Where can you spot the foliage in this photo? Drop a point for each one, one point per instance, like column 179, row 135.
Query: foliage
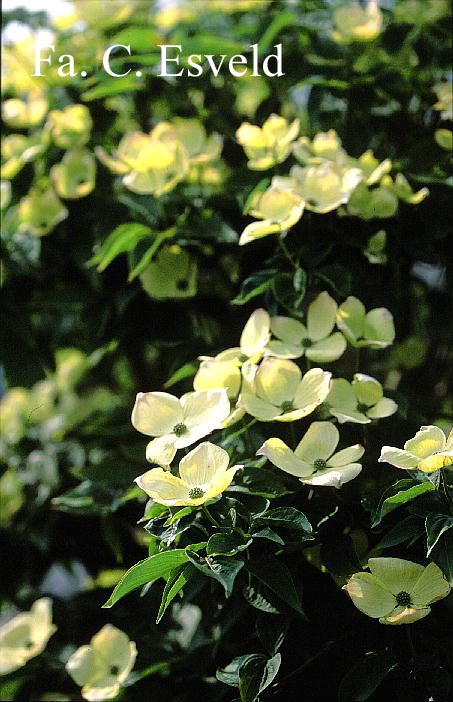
column 264, row 260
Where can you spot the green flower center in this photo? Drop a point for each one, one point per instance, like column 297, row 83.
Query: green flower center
column 114, row 670
column 362, row 408
column 180, row 429
column 28, row 644
column 195, row 493
column 306, row 343
column 403, row 599
column 287, row 406
column 319, row 464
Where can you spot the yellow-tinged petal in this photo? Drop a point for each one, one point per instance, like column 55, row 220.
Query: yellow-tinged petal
column 436, row 462
column 256, row 333
column 85, row 665
column 368, row 390
column 313, row 389
column 351, row 454
column 104, row 689
column 258, row 230
column 385, row 407
column 205, row 411
column 408, row 615
column 341, row 395
column 398, row 458
column 351, row 318
column 288, row 330
column 430, row 587
column 321, row 316
column 319, row 441
column 379, row 327
column 156, row 413
column 277, row 380
column 396, row 574
column 256, row 407
column 214, row 374
column 334, row 477
column 164, row 488
column 370, row 596
column 428, row 440
column 199, row 466
column 221, row 481
column 327, row 350
column 281, row 456
column 162, row 450
column 114, row 647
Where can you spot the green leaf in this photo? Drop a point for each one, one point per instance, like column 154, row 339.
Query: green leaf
column 229, row 675
column 436, row 525
column 186, row 371
column 268, row 534
column 256, row 674
column 399, row 494
column 222, row 569
column 408, row 530
column 277, row 577
column 147, row 571
column 113, row 86
column 122, row 240
column 272, row 632
column 226, row 544
column 261, row 597
column 442, row 554
column 286, row 293
column 254, row 285
column 365, row 677
column 178, row 578
column 287, row 518
column 142, row 255
column 261, row 481
column 337, row 277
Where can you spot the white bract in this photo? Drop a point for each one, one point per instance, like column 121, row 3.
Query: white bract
column 25, row 636
column 280, row 392
column 359, row 401
column 177, row 423
column 316, row 341
column 203, row 474
column 397, row 591
column 374, row 328
column 314, row 460
column 428, row 450
column 103, row 665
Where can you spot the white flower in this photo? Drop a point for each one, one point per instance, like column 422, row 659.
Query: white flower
column 359, row 401
column 428, row 450
column 25, row 636
column 177, row 423
column 315, row 340
column 204, row 474
column 314, row 461
column 102, row 666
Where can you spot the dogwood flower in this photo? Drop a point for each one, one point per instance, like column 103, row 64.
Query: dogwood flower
column 314, row 461
column 23, row 114
column 101, row 666
column 397, row 591
column 444, row 103
column 279, row 208
column 323, row 187
column 267, row 145
column 359, row 401
column 40, row 210
column 25, row 636
column 374, row 328
column 203, row 474
column 315, row 340
column 70, row 128
column 323, row 146
column 177, row 423
column 75, row 175
column 356, row 23
column 428, row 450
column 373, row 203
column 281, row 393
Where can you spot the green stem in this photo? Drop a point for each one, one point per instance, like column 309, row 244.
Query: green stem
column 286, row 252
column 239, row 432
column 410, row 642
column 208, row 514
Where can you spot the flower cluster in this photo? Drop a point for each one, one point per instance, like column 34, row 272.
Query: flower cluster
column 328, row 178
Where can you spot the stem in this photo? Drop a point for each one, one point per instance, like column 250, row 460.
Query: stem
column 239, row 432
column 410, row 642
column 208, row 514
column 444, row 491
column 286, row 252
column 293, row 435
column 357, row 360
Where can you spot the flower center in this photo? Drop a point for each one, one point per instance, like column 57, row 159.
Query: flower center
column 403, row 599
column 319, row 464
column 195, row 493
column 306, row 343
column 180, row 429
column 28, row 644
column 114, row 670
column 287, row 406
column 362, row 408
